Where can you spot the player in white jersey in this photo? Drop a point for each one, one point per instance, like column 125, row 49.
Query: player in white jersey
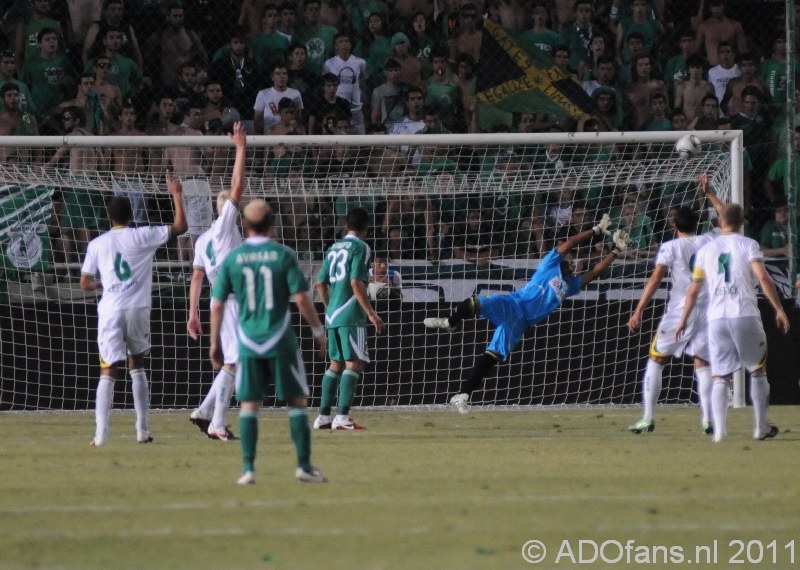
column 730, row 267
column 677, row 256
column 350, row 70
column 123, row 257
column 209, row 253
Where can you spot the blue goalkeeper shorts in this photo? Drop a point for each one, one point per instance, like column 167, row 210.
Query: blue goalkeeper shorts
column 510, row 324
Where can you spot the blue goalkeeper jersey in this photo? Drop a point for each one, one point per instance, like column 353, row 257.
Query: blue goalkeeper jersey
column 547, row 289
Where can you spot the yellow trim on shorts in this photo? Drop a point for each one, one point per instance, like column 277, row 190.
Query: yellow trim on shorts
column 653, row 351
column 763, row 362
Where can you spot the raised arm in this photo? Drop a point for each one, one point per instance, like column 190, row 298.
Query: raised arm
column 702, row 190
column 620, row 239
column 768, row 288
column 179, row 223
column 239, row 138
column 600, row 229
column 649, row 290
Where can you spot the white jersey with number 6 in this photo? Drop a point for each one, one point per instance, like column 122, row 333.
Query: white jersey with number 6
column 123, row 257
column 724, row 265
column 679, row 256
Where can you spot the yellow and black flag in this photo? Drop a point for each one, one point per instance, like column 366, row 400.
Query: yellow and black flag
column 513, row 75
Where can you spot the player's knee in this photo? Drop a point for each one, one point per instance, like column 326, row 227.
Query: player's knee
column 658, row 359
column 336, row 366
column 721, row 379
column 298, row 402
column 357, row 365
column 758, row 372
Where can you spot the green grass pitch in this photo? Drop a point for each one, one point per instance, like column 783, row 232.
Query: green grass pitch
column 426, row 490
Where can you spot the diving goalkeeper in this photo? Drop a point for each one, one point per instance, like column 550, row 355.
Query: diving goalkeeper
column 512, row 314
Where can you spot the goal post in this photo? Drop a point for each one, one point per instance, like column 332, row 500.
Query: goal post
column 456, row 215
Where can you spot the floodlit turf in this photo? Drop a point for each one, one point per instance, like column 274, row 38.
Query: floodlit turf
column 415, row 490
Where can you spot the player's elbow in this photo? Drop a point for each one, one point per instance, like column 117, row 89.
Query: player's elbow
column 87, row 283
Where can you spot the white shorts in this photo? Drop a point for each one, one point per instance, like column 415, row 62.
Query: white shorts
column 229, row 332
column 693, row 342
column 735, row 343
column 122, row 333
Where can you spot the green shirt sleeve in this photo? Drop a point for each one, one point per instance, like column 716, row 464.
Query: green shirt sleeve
column 294, row 276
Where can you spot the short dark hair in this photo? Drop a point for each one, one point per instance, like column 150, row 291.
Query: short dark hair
column 330, row 78
column 119, row 210
column 357, row 220
column 754, row 91
column 391, row 63
column 686, row 220
column 733, row 215
column 695, row 60
column 294, row 45
column 9, row 86
column 43, row 32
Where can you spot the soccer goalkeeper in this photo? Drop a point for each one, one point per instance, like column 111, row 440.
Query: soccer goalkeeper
column 553, row 281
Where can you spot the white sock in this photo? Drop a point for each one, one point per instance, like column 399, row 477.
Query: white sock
column 207, row 407
column 651, row 388
column 141, row 399
column 719, row 407
column 704, row 386
column 224, row 390
column 759, row 394
column 103, row 401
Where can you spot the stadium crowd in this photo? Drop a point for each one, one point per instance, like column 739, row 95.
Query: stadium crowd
column 150, row 67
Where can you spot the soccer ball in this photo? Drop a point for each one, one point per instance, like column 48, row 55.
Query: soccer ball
column 688, row 146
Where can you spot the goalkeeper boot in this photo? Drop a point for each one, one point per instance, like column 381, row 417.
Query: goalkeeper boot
column 99, row 439
column 344, row 423
column 642, row 426
column 323, row 422
column 247, row 478
column 769, row 433
column 461, row 403
column 312, row 476
column 708, row 429
column 200, row 421
column 439, row 323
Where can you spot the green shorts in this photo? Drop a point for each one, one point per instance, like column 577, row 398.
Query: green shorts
column 254, row 374
column 348, row 344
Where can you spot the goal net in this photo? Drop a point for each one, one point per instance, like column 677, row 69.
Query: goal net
column 452, row 216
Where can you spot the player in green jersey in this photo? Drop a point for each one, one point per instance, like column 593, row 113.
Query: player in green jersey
column 263, row 275
column 342, row 286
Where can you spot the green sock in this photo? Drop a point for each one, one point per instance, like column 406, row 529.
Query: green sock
column 347, row 390
column 301, row 436
column 330, row 384
column 248, row 432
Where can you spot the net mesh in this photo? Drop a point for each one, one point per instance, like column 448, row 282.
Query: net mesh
column 453, row 217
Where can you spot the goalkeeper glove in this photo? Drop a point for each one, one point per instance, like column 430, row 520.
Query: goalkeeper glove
column 621, row 239
column 602, row 227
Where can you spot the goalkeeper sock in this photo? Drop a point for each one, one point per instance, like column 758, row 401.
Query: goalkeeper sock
column 347, row 390
column 330, row 385
column 719, row 407
column 103, row 401
column 301, row 436
column 704, row 386
column 224, row 391
column 248, row 432
column 651, row 388
column 483, row 365
column 759, row 394
column 466, row 309
column 141, row 399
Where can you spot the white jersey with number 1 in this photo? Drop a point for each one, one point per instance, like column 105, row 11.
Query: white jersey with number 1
column 725, row 265
column 123, row 257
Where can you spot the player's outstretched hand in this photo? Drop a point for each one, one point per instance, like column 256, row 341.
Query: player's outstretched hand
column 621, row 239
column 602, row 226
column 173, row 184
column 239, row 135
column 702, row 184
column 377, row 322
column 195, row 328
column 215, row 355
column 783, row 321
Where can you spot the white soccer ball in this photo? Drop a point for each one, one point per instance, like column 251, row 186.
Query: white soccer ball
column 688, row 146
column 375, row 291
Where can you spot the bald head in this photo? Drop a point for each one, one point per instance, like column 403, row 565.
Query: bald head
column 258, row 217
column 732, row 217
